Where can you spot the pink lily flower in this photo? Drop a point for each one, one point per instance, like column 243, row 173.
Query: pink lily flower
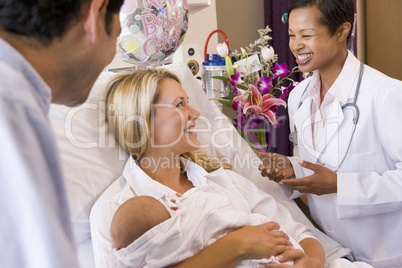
column 241, row 97
column 262, row 104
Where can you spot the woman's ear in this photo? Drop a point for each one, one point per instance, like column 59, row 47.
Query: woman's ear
column 343, row 31
column 94, row 18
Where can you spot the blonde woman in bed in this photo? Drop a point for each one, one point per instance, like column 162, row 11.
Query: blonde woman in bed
column 149, row 113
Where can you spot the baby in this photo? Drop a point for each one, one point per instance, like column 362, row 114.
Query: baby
column 134, row 218
column 202, row 217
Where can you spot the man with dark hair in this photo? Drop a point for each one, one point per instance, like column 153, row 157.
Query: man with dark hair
column 50, row 51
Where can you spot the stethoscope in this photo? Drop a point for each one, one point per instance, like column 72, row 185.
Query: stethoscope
column 353, row 105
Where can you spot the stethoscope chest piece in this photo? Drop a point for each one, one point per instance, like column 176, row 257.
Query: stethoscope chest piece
column 293, row 137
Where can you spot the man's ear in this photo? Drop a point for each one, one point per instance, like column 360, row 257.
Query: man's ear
column 94, row 18
column 343, row 31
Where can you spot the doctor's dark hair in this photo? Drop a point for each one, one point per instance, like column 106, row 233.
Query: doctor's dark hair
column 334, row 12
column 45, row 20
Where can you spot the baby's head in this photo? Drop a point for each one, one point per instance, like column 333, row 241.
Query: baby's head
column 134, row 218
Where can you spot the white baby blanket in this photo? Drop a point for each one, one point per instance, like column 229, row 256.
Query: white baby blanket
column 203, row 216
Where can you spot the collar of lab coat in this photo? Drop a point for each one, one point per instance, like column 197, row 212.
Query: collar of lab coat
column 343, row 85
column 343, row 89
column 142, row 184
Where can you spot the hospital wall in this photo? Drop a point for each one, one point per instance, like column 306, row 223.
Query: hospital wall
column 381, row 35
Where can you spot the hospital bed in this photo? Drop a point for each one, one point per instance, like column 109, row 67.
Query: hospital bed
column 92, row 159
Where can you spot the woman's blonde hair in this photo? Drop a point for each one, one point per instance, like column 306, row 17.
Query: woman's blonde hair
column 129, row 101
column 129, row 105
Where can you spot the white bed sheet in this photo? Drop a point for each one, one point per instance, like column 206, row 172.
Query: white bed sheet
column 92, row 160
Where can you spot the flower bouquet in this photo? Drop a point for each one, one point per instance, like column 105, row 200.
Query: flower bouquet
column 256, row 80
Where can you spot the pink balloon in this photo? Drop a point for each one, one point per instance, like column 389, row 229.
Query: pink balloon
column 129, row 6
column 160, row 27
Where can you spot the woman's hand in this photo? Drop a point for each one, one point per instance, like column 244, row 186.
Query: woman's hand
column 261, row 241
column 312, row 257
column 276, row 167
column 301, row 260
column 248, row 242
column 323, row 181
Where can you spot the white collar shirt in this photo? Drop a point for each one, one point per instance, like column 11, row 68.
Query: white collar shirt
column 142, row 184
column 339, row 91
column 33, row 203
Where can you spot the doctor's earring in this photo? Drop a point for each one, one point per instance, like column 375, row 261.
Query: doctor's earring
column 284, row 18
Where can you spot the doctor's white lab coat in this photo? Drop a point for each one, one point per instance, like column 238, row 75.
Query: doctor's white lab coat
column 366, row 213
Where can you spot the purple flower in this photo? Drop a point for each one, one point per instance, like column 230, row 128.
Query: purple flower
column 255, row 121
column 240, row 121
column 286, row 91
column 264, row 85
column 235, row 79
column 274, row 109
column 280, row 70
column 235, row 105
column 237, row 124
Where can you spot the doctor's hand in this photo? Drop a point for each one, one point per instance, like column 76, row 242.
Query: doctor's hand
column 276, row 167
column 323, row 181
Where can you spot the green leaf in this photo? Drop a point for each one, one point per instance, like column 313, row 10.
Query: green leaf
column 221, row 78
column 224, row 102
column 244, row 87
column 227, row 98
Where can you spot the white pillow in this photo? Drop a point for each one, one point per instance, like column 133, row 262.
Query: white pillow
column 92, row 159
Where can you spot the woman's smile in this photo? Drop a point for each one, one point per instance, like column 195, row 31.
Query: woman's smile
column 190, row 131
column 303, row 58
column 175, row 121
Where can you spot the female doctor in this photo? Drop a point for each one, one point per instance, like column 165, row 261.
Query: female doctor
column 345, row 123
